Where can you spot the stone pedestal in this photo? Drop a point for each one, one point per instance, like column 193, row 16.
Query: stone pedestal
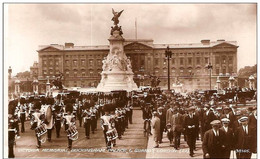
column 251, row 82
column 218, row 83
column 117, row 71
column 48, row 87
column 35, row 86
column 231, row 81
column 17, row 89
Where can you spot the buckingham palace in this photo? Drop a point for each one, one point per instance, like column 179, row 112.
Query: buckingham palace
column 81, row 65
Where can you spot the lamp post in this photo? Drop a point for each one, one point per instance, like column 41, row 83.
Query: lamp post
column 210, row 67
column 168, row 55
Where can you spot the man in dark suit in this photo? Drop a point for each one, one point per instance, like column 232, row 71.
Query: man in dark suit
column 191, row 124
column 177, row 127
column 245, row 138
column 213, row 141
column 229, row 137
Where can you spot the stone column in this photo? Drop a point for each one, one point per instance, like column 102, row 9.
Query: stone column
column 17, row 87
column 35, row 86
column 231, row 81
column 251, row 82
column 48, row 86
column 218, row 83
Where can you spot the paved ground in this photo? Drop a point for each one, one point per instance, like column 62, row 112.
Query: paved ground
column 133, row 140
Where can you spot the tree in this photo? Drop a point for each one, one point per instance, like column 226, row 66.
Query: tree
column 247, row 71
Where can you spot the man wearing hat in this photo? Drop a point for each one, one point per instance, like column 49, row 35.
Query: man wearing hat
column 169, row 114
column 213, row 141
column 177, row 127
column 155, row 124
column 245, row 138
column 162, row 116
column 229, row 137
column 191, row 124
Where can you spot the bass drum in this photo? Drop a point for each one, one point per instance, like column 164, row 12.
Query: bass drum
column 47, row 112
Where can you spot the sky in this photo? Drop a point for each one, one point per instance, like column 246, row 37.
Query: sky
column 26, row 26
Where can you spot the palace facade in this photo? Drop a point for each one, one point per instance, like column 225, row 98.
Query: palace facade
column 81, row 65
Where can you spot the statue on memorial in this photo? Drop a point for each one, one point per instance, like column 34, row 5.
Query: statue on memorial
column 116, row 16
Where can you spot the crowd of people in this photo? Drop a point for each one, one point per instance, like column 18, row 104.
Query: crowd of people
column 221, row 126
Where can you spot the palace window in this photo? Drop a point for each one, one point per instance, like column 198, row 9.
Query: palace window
column 99, row 63
column 90, row 62
column 230, row 60
column 198, row 60
column 83, row 74
column 51, row 62
column 75, row 73
column 57, row 63
column 181, row 61
column 67, row 62
column 83, row 63
column 189, row 60
column 223, row 59
column 224, row 71
column 67, row 73
column 173, row 61
column 217, row 60
column 44, row 62
column 217, row 71
column 156, row 61
column 206, row 60
column 75, row 63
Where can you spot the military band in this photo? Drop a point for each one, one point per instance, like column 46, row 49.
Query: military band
column 222, row 126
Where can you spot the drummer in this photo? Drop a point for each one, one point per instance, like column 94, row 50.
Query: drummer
column 69, row 121
column 37, row 120
column 106, row 124
column 49, row 118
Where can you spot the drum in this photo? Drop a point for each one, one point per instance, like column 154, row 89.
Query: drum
column 47, row 112
column 111, row 134
column 72, row 132
column 40, row 130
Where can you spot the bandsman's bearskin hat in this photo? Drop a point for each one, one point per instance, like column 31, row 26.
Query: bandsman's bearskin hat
column 86, row 105
column 22, row 100
column 69, row 107
column 73, row 100
column 106, row 108
column 80, row 98
column 37, row 105
column 43, row 100
column 57, row 107
column 112, row 107
column 67, row 101
column 11, row 107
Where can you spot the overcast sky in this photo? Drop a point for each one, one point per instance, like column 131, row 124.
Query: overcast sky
column 27, row 26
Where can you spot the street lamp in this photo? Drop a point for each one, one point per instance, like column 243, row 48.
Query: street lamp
column 168, row 55
column 210, row 67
